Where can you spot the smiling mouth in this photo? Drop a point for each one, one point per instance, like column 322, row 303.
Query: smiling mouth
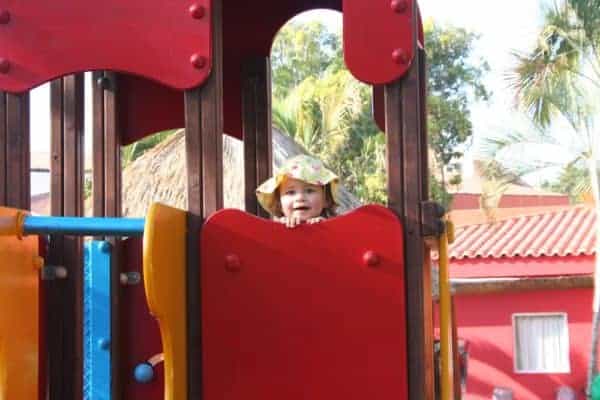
column 301, row 208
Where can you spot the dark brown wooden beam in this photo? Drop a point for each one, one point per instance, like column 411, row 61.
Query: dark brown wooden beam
column 407, row 189
column 112, row 147
column 64, row 308
column 98, row 145
column 15, row 151
column 106, row 193
column 256, row 127
column 204, row 160
column 508, row 285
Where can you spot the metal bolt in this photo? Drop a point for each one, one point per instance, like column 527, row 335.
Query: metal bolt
column 399, row 56
column 370, row 258
column 4, row 66
column 103, row 82
column 4, row 17
column 130, row 278
column 51, row 272
column 105, row 247
column 399, row 6
column 197, row 11
column 232, row 263
column 103, row 343
column 197, row 61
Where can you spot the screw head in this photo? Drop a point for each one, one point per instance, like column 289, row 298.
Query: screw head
column 232, row 263
column 103, row 82
column 103, row 343
column 4, row 17
column 105, row 247
column 399, row 56
column 370, row 258
column 4, row 66
column 399, row 6
column 197, row 11
column 197, row 61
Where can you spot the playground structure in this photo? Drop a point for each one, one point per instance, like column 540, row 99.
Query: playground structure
column 239, row 315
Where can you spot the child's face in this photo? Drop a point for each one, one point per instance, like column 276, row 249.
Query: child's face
column 301, row 199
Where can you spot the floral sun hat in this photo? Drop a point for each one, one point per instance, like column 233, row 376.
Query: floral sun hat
column 301, row 167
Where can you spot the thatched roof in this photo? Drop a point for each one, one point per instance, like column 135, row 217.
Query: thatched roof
column 159, row 175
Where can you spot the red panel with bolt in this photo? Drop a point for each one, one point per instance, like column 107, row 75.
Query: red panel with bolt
column 314, row 312
column 165, row 41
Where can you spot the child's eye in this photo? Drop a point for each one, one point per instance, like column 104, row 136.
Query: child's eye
column 310, row 190
column 290, row 192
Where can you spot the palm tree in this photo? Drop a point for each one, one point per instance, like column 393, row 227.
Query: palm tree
column 331, row 118
column 559, row 82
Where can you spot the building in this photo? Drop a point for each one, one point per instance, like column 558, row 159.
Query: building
column 523, row 295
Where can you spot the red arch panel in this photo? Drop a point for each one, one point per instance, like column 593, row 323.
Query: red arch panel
column 298, row 313
column 41, row 40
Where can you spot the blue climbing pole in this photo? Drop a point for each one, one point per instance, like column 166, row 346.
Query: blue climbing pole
column 96, row 326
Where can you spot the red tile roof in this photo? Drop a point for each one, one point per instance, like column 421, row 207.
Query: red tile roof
column 560, row 233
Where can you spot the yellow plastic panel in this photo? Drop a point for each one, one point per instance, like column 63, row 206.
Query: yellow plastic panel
column 19, row 329
column 165, row 284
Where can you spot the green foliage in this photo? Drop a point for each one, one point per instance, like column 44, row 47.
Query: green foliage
column 331, row 118
column 134, row 150
column 558, row 81
column 573, row 180
column 301, row 51
column 439, row 193
column 454, row 81
column 325, row 109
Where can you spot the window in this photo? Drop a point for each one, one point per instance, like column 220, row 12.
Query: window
column 541, row 343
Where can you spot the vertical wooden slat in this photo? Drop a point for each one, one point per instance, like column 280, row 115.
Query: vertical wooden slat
column 57, row 358
column 98, row 184
column 112, row 207
column 107, row 196
column 17, row 151
column 64, row 297
column 3, row 182
column 193, row 145
column 73, row 101
column 429, row 376
column 112, row 148
column 56, row 148
column 204, row 160
column 406, row 192
column 256, row 127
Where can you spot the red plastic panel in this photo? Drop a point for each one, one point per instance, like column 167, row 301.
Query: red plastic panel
column 299, row 313
column 147, row 107
column 166, row 41
column 378, row 39
column 140, row 335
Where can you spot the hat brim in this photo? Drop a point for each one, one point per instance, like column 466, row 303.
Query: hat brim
column 267, row 194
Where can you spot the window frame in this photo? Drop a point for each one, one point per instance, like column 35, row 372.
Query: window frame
column 564, row 315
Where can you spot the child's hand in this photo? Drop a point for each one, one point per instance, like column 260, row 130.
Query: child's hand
column 290, row 222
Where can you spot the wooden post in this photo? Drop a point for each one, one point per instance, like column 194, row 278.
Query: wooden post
column 508, row 285
column 256, row 127
column 204, row 160
column 407, row 189
column 15, row 151
column 106, row 193
column 64, row 308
